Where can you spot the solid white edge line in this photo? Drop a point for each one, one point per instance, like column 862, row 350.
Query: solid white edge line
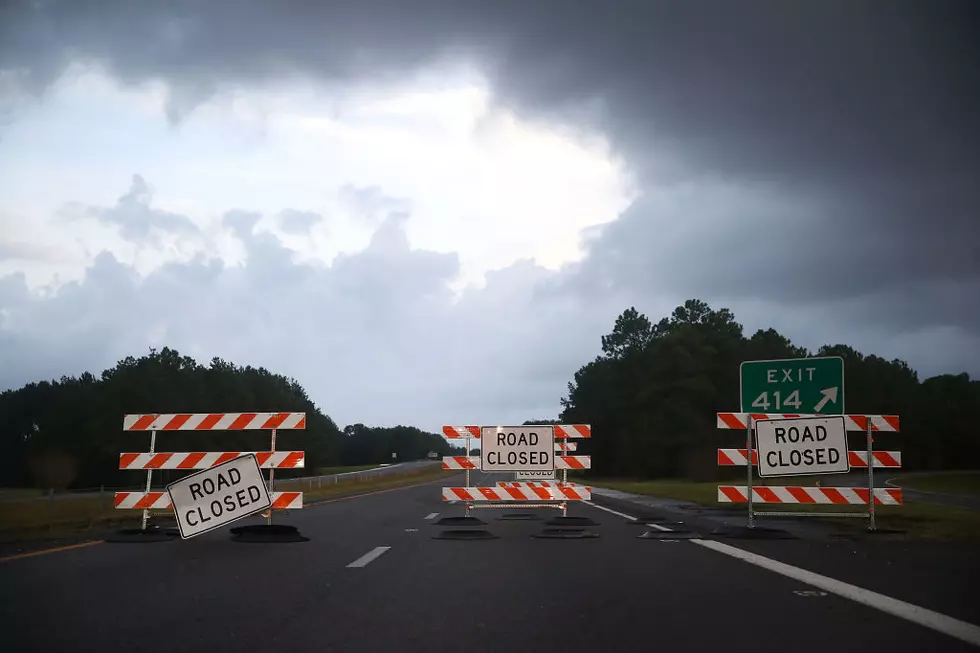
column 924, row 617
column 937, row 621
column 370, row 556
column 432, row 515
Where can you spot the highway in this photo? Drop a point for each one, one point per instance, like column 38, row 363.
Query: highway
column 372, row 578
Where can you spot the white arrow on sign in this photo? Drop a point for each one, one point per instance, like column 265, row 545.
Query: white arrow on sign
column 829, row 394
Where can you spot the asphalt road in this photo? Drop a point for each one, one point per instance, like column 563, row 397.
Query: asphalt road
column 617, row 592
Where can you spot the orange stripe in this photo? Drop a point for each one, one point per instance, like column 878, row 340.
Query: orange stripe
column 301, row 424
column 584, row 430
column 242, row 421
column 836, row 497
column 176, row 422
column 275, row 421
column 449, row 432
column 208, row 422
column 854, row 458
column 158, row 460
column 121, row 497
column 731, row 421
column 191, row 460
column 767, row 495
column 733, row 495
column 294, row 459
column 262, row 456
column 886, row 459
column 284, row 500
column 896, row 493
column 31, row 554
column 143, row 423
column 148, row 500
column 801, row 495
column 724, row 460
column 755, row 456
column 572, row 462
column 126, row 459
column 892, row 420
column 474, row 431
column 860, row 421
column 461, row 493
column 225, row 457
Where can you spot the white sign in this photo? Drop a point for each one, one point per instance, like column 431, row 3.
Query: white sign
column 517, row 449
column 531, row 476
column 801, row 446
column 214, row 497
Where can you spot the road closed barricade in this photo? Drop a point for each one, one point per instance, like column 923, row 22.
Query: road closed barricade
column 528, row 451
column 790, row 444
column 156, row 423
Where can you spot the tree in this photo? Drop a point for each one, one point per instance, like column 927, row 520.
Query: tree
column 652, row 395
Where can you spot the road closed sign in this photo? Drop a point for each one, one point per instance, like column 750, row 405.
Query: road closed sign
column 217, row 496
column 801, row 446
column 517, row 449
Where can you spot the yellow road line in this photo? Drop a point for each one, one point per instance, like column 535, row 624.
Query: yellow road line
column 69, row 547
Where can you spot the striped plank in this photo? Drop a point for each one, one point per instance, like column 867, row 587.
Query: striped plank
column 889, row 459
column 213, row 421
column 808, row 495
column 206, row 459
column 161, row 500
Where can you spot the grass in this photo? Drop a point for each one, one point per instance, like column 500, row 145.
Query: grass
column 19, row 492
column 959, row 483
column 325, row 471
column 921, row 521
column 31, row 518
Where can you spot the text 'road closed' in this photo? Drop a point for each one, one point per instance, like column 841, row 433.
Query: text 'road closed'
column 813, row 445
column 218, row 496
column 517, row 448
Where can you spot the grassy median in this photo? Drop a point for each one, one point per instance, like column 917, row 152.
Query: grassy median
column 43, row 517
column 919, row 520
column 959, row 483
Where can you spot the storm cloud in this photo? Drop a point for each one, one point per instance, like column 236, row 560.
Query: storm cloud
column 814, row 163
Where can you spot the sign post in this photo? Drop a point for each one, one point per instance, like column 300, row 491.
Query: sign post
column 219, row 495
column 806, row 386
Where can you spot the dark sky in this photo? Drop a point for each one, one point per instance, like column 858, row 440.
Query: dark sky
column 815, row 162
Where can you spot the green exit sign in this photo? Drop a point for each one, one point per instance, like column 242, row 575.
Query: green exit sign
column 793, row 385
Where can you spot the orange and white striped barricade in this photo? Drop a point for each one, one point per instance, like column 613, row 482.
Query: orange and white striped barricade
column 489, row 497
column 868, row 495
column 157, row 422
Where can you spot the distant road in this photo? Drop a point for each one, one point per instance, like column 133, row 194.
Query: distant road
column 940, row 498
column 373, row 579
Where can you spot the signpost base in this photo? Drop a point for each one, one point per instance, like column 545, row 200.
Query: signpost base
column 752, row 533
column 152, row 533
column 571, row 521
column 460, row 521
column 267, row 533
column 565, row 534
column 465, row 534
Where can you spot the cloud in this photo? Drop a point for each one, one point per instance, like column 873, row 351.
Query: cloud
column 812, row 167
column 138, row 222
column 298, row 222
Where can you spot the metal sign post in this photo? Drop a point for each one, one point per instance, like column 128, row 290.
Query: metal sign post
column 871, row 476
column 149, row 478
column 272, row 476
column 748, row 484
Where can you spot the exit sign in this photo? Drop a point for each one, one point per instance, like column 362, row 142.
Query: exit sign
column 793, row 385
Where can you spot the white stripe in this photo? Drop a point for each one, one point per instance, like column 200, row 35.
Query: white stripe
column 431, row 515
column 962, row 630
column 947, row 625
column 194, row 421
column 291, row 421
column 851, row 495
column 368, row 557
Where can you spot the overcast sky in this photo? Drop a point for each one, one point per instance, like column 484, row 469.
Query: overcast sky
column 429, row 212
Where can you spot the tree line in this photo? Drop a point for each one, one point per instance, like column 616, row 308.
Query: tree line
column 68, row 433
column 652, row 394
